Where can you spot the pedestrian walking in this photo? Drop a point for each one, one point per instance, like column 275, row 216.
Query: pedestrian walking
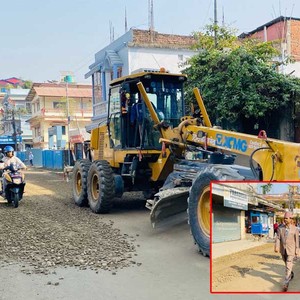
column 275, row 226
column 287, row 243
column 30, row 156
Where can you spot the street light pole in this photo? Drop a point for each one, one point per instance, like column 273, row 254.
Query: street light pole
column 68, row 124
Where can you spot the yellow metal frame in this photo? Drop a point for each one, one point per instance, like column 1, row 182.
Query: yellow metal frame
column 279, row 160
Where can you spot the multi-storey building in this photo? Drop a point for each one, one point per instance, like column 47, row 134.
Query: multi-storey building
column 60, row 113
column 12, row 82
column 15, row 111
column 135, row 50
column 286, row 31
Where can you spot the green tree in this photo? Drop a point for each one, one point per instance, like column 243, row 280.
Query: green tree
column 238, row 83
column 266, row 188
column 27, row 84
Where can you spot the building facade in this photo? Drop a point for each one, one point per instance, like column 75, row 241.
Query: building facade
column 15, row 111
column 59, row 114
column 286, row 31
column 135, row 50
column 8, row 83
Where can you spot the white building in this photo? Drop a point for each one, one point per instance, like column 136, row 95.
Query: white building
column 14, row 114
column 136, row 49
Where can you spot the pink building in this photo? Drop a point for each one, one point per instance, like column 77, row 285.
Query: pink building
column 282, row 29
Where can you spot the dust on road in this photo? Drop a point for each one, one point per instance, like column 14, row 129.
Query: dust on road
column 49, row 230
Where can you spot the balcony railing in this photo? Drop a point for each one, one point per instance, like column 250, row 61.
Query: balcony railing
column 38, row 139
column 57, row 113
column 100, row 108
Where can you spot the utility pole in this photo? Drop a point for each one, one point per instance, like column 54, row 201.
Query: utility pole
column 292, row 192
column 215, row 23
column 13, row 121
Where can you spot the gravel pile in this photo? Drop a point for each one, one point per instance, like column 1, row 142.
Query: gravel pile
column 48, row 230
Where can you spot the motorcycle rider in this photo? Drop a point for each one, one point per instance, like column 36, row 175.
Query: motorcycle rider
column 8, row 159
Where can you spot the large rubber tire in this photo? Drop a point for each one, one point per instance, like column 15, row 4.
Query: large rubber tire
column 101, row 187
column 79, row 182
column 199, row 202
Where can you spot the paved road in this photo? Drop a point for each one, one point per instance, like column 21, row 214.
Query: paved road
column 168, row 265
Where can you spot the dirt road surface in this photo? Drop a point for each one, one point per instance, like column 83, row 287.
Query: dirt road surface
column 257, row 269
column 52, row 249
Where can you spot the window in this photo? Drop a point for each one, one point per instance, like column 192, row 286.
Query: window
column 119, row 72
column 114, row 100
column 97, row 87
column 58, row 104
column 28, row 107
column 255, row 219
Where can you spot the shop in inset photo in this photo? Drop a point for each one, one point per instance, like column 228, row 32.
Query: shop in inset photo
column 248, row 222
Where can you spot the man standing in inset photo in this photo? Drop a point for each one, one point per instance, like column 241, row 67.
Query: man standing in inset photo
column 287, row 242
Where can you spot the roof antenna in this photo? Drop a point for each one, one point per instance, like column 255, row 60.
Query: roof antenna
column 111, row 32
column 223, row 17
column 279, row 6
column 151, row 18
column 126, row 27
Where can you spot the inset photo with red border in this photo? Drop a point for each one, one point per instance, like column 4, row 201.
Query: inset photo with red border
column 254, row 237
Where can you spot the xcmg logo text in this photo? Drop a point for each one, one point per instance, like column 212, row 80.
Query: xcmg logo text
column 230, row 142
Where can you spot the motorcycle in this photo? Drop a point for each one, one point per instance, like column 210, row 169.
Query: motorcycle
column 14, row 182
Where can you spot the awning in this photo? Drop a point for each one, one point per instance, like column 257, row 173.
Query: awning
column 93, row 70
column 113, row 59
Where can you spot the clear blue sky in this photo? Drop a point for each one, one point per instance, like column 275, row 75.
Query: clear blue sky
column 39, row 39
column 277, row 187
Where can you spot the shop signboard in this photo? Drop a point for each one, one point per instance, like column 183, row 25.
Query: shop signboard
column 8, row 139
column 234, row 198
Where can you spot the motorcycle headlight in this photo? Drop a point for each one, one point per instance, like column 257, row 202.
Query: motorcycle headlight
column 17, row 180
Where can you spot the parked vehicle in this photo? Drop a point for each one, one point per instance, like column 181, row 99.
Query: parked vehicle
column 13, row 181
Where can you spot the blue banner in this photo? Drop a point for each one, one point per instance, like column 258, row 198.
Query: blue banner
column 8, row 139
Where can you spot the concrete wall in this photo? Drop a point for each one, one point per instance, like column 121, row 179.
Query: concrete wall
column 155, row 58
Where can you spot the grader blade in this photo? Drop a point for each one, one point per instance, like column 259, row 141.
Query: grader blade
column 169, row 206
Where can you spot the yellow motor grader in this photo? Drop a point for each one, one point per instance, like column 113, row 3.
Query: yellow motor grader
column 148, row 144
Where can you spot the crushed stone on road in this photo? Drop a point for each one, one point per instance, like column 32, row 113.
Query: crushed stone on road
column 49, row 230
